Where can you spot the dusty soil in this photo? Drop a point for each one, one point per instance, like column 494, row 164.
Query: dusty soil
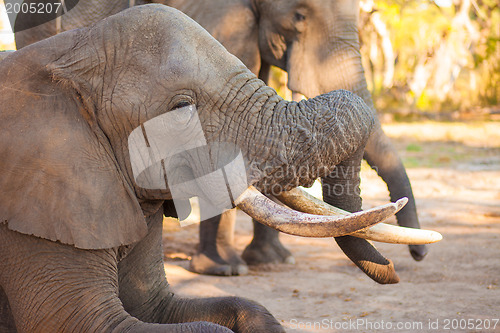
column 456, row 180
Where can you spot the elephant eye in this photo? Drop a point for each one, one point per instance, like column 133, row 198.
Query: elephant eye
column 299, row 17
column 181, row 105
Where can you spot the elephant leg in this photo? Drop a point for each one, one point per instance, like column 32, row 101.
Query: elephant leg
column 383, row 157
column 207, row 260
column 144, row 292
column 53, row 287
column 266, row 247
column 341, row 189
column 216, row 254
column 7, row 324
column 225, row 243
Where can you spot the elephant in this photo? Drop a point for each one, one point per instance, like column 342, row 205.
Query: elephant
column 317, row 43
column 82, row 116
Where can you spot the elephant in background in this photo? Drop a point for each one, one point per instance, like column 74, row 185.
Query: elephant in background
column 80, row 239
column 316, row 42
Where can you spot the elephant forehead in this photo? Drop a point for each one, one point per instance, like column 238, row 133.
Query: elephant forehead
column 157, row 42
column 148, row 23
column 199, row 49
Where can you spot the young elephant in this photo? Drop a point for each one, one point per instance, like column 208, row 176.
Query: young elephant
column 80, row 239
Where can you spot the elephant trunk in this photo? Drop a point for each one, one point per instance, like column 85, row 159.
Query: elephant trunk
column 311, row 139
column 380, row 154
column 305, row 140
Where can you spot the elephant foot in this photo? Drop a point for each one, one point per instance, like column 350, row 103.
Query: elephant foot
column 203, row 264
column 226, row 264
column 273, row 252
column 418, row 252
column 229, row 255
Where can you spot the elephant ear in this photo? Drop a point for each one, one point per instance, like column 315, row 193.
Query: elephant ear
column 59, row 179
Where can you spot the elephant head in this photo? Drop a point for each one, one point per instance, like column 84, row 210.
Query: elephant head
column 315, row 41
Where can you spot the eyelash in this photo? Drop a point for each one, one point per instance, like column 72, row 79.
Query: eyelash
column 181, row 105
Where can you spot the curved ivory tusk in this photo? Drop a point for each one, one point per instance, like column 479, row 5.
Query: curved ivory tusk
column 290, row 221
column 301, row 200
column 388, row 233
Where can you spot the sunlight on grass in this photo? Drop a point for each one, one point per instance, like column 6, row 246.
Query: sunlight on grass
column 476, row 134
column 413, row 147
column 446, row 144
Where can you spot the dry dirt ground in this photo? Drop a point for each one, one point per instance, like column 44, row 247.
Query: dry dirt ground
column 455, row 173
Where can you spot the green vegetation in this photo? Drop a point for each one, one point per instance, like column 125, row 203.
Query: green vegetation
column 413, row 147
column 446, row 144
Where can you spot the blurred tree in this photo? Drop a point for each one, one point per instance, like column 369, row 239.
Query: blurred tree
column 375, row 29
column 431, row 55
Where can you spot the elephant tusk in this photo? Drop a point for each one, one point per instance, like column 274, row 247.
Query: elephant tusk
column 301, row 200
column 388, row 233
column 293, row 222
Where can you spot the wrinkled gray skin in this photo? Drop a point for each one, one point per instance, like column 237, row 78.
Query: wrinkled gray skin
column 316, row 42
column 80, row 242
